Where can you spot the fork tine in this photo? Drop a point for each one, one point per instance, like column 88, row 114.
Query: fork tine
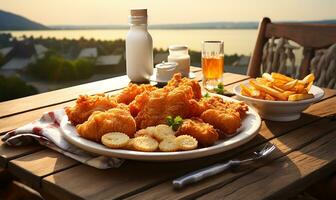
column 269, row 150
column 264, row 148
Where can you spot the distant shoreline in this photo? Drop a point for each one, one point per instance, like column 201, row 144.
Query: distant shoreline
column 192, row 26
column 65, row 29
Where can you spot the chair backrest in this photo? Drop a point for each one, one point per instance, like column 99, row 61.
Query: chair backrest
column 311, row 37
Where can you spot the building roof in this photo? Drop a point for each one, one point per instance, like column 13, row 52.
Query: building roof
column 40, row 50
column 18, row 63
column 5, row 51
column 108, row 60
column 88, row 53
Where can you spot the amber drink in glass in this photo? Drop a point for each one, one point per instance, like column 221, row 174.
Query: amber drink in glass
column 212, row 63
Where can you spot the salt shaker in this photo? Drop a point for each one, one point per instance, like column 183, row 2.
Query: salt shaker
column 179, row 54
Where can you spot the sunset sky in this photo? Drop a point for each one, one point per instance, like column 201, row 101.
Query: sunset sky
column 101, row 12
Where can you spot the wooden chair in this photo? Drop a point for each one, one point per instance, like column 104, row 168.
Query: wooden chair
column 312, row 37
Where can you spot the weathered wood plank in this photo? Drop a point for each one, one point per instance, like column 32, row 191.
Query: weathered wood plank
column 33, row 167
column 20, row 105
column 285, row 176
column 7, row 153
column 268, row 131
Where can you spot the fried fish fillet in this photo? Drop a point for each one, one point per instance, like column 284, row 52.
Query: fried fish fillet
column 178, row 81
column 218, row 103
column 138, row 103
column 86, row 105
column 100, row 123
column 223, row 115
column 204, row 133
column 162, row 103
column 227, row 122
column 128, row 94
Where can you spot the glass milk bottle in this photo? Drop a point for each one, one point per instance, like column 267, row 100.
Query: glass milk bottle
column 179, row 54
column 139, row 47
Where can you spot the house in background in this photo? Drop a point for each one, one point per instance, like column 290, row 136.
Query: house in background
column 18, row 57
column 88, row 53
column 110, row 64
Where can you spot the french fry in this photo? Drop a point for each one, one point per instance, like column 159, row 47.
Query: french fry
column 279, row 89
column 245, row 90
column 308, row 79
column 281, row 77
column 289, row 93
column 279, row 83
column 269, row 90
column 297, row 97
column 298, row 88
column 289, row 85
column 269, row 97
column 309, row 86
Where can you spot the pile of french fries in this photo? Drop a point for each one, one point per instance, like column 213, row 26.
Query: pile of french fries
column 278, row 87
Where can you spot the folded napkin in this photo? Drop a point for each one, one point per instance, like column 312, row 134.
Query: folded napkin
column 47, row 132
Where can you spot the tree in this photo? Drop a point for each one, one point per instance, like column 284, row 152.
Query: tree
column 13, row 87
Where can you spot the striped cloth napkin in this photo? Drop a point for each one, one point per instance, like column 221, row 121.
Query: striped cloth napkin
column 47, row 132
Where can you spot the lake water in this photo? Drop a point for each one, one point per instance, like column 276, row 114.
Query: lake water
column 235, row 41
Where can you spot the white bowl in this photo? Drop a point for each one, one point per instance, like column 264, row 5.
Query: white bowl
column 280, row 110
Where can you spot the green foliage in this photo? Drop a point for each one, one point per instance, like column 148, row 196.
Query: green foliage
column 175, row 123
column 2, row 60
column 56, row 68
column 13, row 87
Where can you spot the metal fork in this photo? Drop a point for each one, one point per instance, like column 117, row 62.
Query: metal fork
column 203, row 173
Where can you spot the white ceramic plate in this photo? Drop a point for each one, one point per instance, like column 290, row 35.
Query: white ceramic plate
column 280, row 110
column 249, row 129
column 192, row 75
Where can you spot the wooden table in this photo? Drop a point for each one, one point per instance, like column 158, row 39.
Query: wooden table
column 305, row 154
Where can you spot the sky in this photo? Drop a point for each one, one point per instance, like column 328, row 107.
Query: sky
column 105, row 12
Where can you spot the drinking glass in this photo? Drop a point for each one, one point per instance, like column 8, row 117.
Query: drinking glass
column 212, row 63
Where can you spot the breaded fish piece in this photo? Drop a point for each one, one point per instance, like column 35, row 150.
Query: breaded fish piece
column 204, row 133
column 178, row 81
column 227, row 121
column 87, row 104
column 128, row 94
column 100, row 123
column 215, row 102
column 162, row 103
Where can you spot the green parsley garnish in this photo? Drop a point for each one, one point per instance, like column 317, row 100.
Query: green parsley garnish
column 175, row 123
column 206, row 95
column 220, row 89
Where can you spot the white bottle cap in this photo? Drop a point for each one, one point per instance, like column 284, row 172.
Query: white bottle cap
column 138, row 16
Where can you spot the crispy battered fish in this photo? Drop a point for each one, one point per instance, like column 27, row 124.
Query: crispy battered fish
column 128, row 94
column 178, row 81
column 86, row 105
column 100, row 123
column 218, row 103
column 162, row 103
column 227, row 122
column 204, row 133
column 223, row 115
